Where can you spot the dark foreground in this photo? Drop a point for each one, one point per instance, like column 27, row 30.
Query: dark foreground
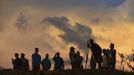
column 67, row 72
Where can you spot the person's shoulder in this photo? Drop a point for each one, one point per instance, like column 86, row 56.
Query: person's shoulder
column 15, row 60
column 81, row 57
column 115, row 50
column 97, row 44
column 33, row 54
column 39, row 55
column 26, row 59
column 43, row 59
column 61, row 58
column 54, row 58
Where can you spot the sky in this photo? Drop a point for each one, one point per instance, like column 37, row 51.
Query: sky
column 56, row 25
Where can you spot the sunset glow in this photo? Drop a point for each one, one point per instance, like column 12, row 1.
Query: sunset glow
column 55, row 25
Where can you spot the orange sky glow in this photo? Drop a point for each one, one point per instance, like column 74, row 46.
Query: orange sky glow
column 21, row 27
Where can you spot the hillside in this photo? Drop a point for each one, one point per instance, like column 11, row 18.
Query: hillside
column 66, row 72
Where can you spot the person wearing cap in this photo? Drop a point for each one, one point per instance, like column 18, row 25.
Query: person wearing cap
column 36, row 60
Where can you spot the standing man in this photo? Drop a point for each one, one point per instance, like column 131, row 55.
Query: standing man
column 79, row 60
column 25, row 62
column 96, row 54
column 46, row 63
column 72, row 56
column 36, row 60
column 59, row 63
column 112, row 56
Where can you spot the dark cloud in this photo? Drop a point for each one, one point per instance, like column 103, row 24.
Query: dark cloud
column 67, row 4
column 111, row 3
column 77, row 34
column 21, row 22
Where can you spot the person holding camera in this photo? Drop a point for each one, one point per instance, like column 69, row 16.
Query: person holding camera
column 96, row 54
column 58, row 62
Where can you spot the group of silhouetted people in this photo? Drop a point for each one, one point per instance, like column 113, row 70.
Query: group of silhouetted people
column 107, row 60
column 109, row 57
column 21, row 63
column 75, row 59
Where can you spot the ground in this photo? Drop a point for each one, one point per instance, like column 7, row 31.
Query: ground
column 67, row 72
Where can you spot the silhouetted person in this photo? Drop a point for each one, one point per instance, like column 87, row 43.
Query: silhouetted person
column 16, row 62
column 59, row 63
column 46, row 63
column 79, row 60
column 25, row 62
column 36, row 60
column 72, row 56
column 105, row 59
column 96, row 53
column 92, row 62
column 112, row 56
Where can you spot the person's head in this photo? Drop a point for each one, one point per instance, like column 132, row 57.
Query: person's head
column 72, row 49
column 36, row 50
column 16, row 55
column 47, row 55
column 58, row 54
column 78, row 53
column 111, row 46
column 104, row 51
column 91, row 41
column 22, row 55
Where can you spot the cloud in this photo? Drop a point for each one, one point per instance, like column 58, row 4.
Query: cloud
column 21, row 22
column 112, row 15
column 90, row 3
column 96, row 21
column 113, row 3
column 67, row 4
column 76, row 34
column 127, row 11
